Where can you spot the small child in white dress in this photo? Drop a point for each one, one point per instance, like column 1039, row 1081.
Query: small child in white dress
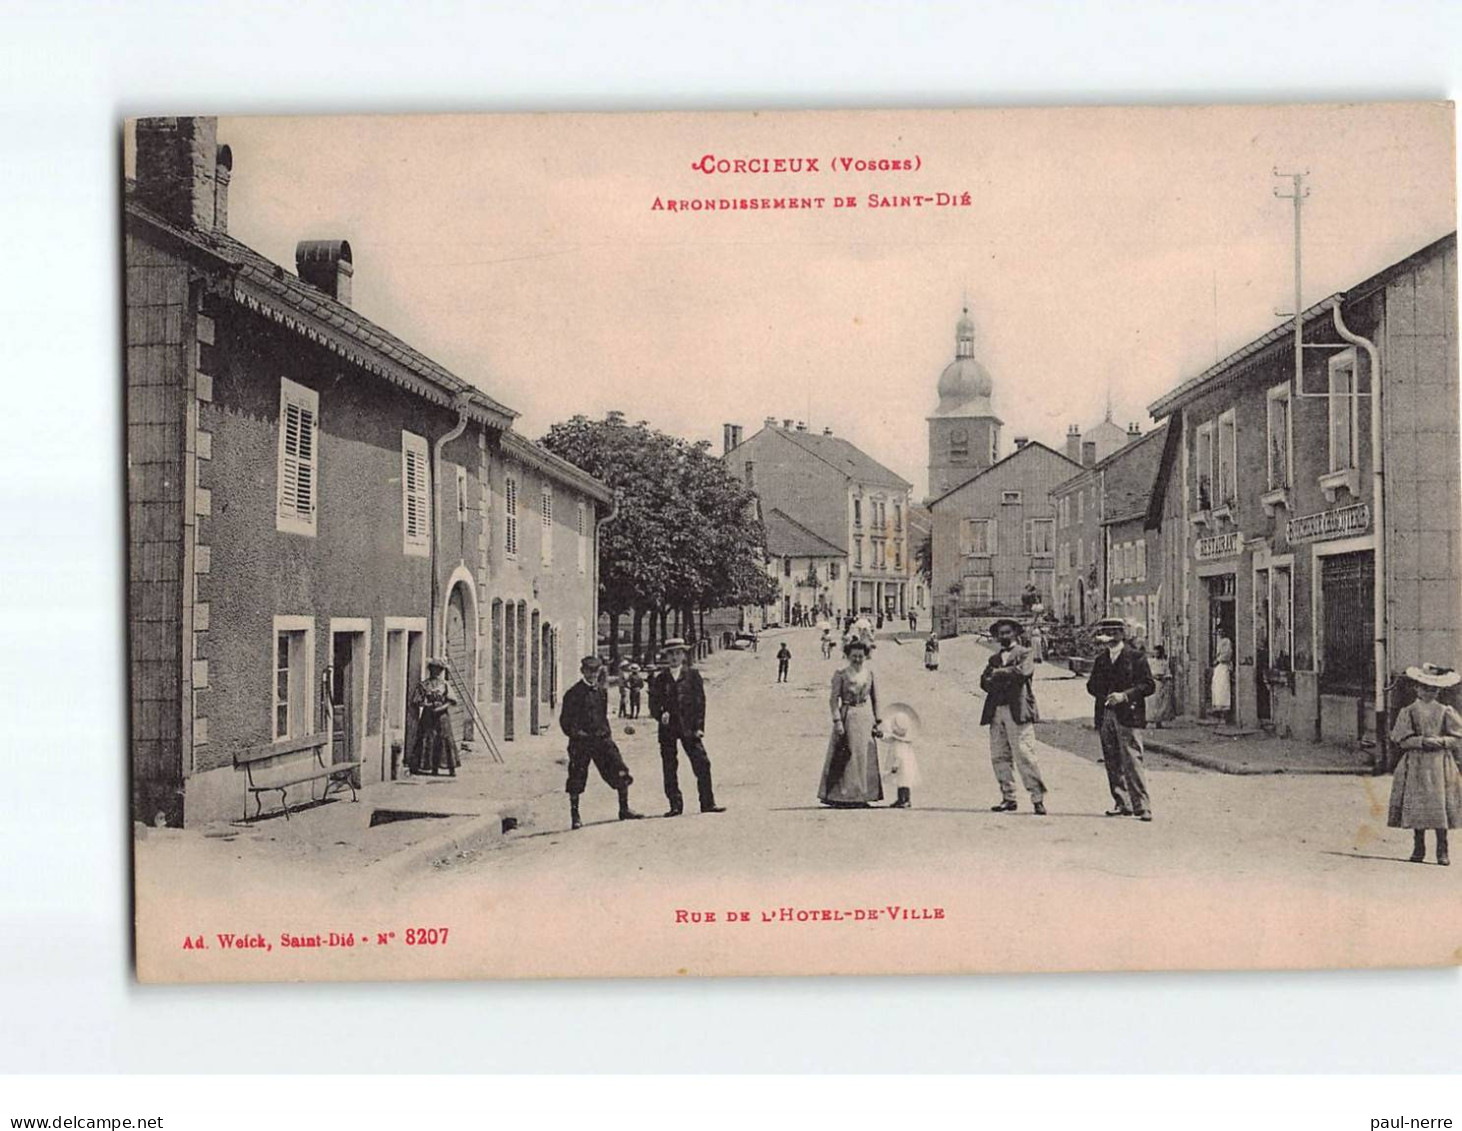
column 901, row 765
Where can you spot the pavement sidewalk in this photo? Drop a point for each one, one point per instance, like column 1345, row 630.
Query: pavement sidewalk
column 1233, row 751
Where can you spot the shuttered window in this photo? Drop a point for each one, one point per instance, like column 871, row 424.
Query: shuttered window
column 510, row 523
column 582, row 529
column 545, row 507
column 299, row 460
column 415, row 496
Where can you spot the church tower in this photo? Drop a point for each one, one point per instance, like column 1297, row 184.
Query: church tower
column 964, row 432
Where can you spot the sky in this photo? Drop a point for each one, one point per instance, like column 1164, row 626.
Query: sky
column 1104, row 252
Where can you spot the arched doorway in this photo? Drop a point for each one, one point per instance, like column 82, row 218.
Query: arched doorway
column 460, row 650
column 510, row 667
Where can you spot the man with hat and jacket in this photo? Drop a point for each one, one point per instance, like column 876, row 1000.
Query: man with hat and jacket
column 678, row 700
column 1120, row 683
column 1010, row 713
column 584, row 717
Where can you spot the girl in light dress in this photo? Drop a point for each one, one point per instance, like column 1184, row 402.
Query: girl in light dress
column 1426, row 791
column 897, row 750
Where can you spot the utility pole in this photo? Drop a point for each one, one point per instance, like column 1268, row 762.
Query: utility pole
column 1298, row 193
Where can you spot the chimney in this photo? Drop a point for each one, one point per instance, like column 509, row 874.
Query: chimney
column 1133, row 432
column 326, row 265
column 1021, row 441
column 223, row 171
column 787, row 424
column 769, row 422
column 802, row 426
column 1073, row 444
column 827, row 431
column 1088, row 453
column 177, row 161
column 730, row 437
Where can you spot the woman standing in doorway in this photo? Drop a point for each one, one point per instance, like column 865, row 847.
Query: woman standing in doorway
column 1426, row 791
column 433, row 747
column 1221, row 698
column 850, row 776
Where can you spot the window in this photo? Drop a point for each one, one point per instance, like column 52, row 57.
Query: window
column 979, row 537
column 415, row 496
column 898, row 517
column 750, row 476
column 299, row 461
column 1010, row 496
column 1142, row 560
column 496, row 654
column 959, row 446
column 1281, row 605
column 510, row 522
column 994, row 444
column 1080, row 545
column 545, row 508
column 1040, row 534
column 857, row 553
column 857, row 512
column 834, row 570
column 461, row 496
column 980, row 590
column 1065, row 511
column 1203, row 456
column 1280, row 468
column 898, row 555
column 786, row 567
column 1080, row 507
column 581, row 528
column 1228, row 492
column 1343, row 415
column 294, row 646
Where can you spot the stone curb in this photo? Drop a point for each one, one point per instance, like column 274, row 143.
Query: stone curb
column 1222, row 766
column 466, row 837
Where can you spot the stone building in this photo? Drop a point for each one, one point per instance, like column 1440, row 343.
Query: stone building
column 810, row 571
column 964, row 432
column 1288, row 548
column 995, row 533
column 842, row 495
column 1114, row 481
column 314, row 507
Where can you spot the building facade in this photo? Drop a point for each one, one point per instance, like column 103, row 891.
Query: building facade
column 1114, row 483
column 1290, row 552
column 314, row 507
column 995, row 534
column 844, row 497
column 810, row 572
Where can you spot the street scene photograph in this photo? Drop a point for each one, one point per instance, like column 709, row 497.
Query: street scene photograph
column 799, row 543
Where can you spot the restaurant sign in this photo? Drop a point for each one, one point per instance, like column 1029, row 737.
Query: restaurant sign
column 1329, row 524
column 1218, row 546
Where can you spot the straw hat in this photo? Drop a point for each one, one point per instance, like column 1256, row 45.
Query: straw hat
column 1011, row 621
column 902, row 722
column 1434, row 675
column 674, row 644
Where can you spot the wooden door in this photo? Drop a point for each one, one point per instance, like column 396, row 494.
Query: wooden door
column 459, row 656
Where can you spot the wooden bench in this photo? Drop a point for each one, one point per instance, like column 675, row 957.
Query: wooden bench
column 282, row 778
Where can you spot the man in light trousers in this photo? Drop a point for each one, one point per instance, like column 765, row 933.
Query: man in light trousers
column 1010, row 713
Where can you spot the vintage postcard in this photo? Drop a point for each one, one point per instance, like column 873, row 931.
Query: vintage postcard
column 582, row 545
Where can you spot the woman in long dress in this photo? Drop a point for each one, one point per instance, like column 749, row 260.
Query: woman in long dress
column 931, row 652
column 1426, row 791
column 433, row 747
column 850, row 777
column 1221, row 691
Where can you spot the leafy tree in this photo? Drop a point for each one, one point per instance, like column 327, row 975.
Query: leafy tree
column 686, row 537
column 924, row 557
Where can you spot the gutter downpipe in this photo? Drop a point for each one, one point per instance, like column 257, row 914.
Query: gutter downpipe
column 433, row 632
column 1378, row 519
column 599, row 525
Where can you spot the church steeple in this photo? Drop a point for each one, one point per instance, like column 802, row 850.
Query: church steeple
column 964, row 335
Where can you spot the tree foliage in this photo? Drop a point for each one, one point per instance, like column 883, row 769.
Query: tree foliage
column 687, row 535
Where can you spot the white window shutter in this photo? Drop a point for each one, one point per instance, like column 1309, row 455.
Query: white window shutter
column 299, row 465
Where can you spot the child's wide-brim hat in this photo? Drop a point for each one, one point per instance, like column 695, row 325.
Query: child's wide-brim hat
column 1011, row 621
column 1434, row 675
column 901, row 714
